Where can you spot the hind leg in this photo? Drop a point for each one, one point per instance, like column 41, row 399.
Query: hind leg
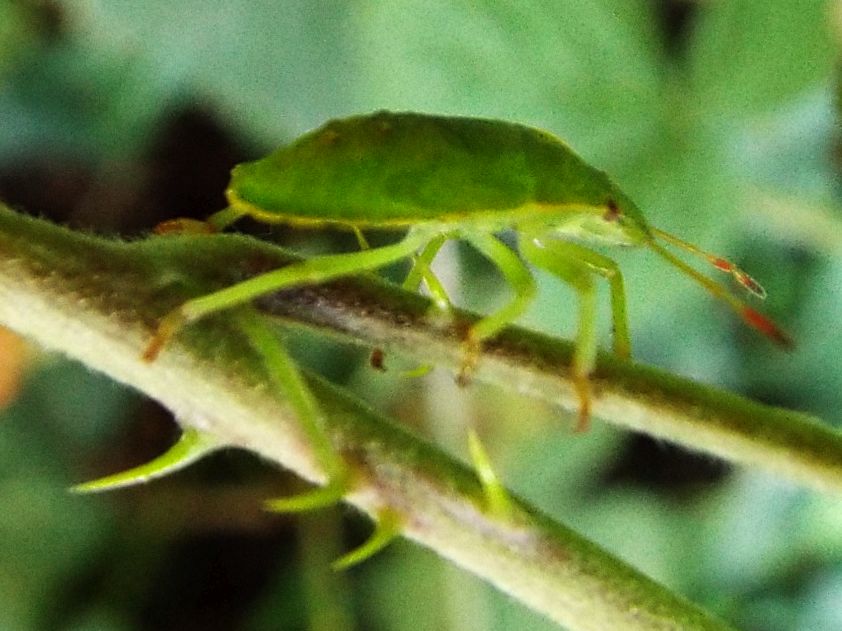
column 312, row 271
column 283, row 374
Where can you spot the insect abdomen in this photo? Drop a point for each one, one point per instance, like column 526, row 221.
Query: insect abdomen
column 399, row 169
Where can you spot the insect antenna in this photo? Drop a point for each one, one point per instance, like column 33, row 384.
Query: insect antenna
column 718, row 262
column 750, row 316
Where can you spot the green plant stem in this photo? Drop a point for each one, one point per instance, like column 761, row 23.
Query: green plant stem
column 98, row 300
column 642, row 398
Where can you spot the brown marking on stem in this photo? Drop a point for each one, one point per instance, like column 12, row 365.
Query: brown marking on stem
column 377, row 359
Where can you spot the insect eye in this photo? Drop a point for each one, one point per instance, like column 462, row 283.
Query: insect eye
column 612, row 211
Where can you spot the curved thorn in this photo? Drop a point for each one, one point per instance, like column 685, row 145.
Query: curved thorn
column 388, row 528
column 322, row 497
column 190, row 447
column 496, row 496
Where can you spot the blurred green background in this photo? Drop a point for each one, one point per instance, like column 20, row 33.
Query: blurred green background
column 718, row 117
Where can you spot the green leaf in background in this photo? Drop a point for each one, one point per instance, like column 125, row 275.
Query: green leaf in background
column 15, row 36
column 743, row 116
column 45, row 534
column 753, row 56
column 271, row 66
column 586, row 70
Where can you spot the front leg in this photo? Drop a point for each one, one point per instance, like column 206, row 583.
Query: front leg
column 565, row 264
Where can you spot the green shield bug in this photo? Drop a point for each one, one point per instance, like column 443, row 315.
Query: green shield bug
column 438, row 178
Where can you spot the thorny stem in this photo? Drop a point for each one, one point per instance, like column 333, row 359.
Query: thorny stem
column 98, row 301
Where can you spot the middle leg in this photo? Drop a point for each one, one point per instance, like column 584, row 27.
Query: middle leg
column 285, row 376
column 520, row 280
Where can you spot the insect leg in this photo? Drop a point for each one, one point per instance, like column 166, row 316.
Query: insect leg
column 361, row 240
column 554, row 257
column 519, row 278
column 421, row 271
column 496, row 495
column 283, row 373
column 516, row 274
column 608, row 269
column 311, row 271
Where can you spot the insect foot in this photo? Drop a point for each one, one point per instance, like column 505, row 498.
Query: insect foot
column 167, row 327
column 470, row 357
column 582, row 384
column 191, row 446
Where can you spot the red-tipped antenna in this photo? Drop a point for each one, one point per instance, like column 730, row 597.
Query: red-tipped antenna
column 719, row 263
column 750, row 316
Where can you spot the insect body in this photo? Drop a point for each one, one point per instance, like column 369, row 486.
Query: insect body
column 440, row 178
column 436, row 178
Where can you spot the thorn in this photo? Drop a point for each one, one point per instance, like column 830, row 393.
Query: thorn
column 190, row 447
column 388, row 527
column 322, row 497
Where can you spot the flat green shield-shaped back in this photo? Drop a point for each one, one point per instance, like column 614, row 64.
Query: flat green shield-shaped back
column 393, row 170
